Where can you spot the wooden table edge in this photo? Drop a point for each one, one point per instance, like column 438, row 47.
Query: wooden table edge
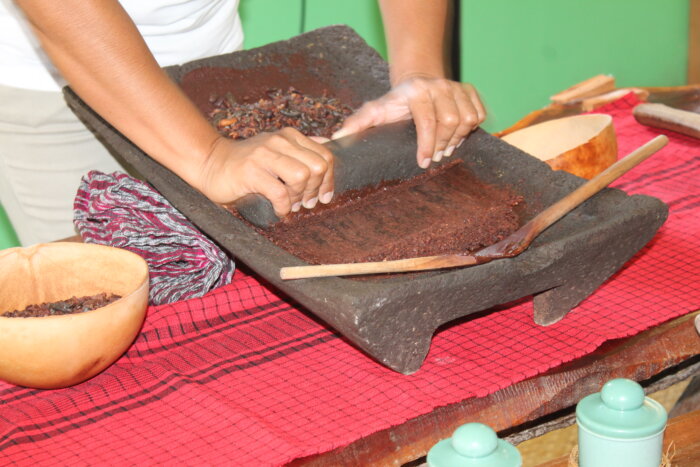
column 657, row 358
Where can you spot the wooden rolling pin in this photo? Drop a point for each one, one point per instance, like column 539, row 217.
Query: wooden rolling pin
column 668, row 118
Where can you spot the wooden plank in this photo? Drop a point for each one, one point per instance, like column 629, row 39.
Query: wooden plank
column 591, row 87
column 694, row 43
column 640, row 358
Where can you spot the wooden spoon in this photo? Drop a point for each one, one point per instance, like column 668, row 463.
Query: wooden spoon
column 510, row 246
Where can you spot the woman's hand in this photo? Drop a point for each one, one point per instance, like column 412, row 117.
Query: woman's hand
column 444, row 111
column 285, row 167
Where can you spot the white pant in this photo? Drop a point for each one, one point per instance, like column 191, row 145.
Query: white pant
column 44, row 151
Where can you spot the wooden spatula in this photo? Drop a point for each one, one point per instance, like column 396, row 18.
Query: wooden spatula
column 511, row 246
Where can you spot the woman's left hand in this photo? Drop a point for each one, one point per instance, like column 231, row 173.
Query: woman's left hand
column 444, row 112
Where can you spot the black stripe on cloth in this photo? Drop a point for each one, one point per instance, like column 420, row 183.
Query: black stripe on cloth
column 16, row 393
column 654, row 177
column 687, row 206
column 228, row 321
column 683, row 199
column 155, row 392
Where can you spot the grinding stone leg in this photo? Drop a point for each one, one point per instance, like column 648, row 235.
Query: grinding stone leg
column 553, row 304
column 604, row 259
column 403, row 353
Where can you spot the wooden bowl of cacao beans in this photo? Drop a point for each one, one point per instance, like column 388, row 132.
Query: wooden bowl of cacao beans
column 67, row 311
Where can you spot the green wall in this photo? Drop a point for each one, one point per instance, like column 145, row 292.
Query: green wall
column 7, row 234
column 266, row 21
column 518, row 53
column 361, row 15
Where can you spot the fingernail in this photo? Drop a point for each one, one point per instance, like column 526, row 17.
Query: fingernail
column 319, row 139
column 460, row 142
column 424, row 163
column 338, row 134
column 437, row 156
column 310, row 203
column 296, row 207
column 449, row 151
column 326, row 197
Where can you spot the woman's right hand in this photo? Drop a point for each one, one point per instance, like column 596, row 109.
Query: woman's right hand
column 285, row 167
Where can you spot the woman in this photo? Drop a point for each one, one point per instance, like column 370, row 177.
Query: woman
column 111, row 53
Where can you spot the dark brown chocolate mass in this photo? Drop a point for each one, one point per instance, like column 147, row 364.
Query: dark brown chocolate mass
column 443, row 211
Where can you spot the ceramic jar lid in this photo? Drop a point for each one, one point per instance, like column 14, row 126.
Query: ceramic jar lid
column 620, row 410
column 472, row 445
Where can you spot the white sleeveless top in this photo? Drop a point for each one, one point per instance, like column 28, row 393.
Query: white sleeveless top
column 176, row 31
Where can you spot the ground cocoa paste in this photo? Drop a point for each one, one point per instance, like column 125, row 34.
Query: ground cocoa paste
column 443, row 211
column 64, row 307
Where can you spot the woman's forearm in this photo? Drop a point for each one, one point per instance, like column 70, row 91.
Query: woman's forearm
column 100, row 52
column 415, row 33
column 443, row 111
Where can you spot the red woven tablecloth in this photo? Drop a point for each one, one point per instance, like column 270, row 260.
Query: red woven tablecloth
column 240, row 376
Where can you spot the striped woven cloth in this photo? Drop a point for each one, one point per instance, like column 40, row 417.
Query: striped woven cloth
column 121, row 211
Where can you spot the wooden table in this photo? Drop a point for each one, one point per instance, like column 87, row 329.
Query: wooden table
column 656, row 358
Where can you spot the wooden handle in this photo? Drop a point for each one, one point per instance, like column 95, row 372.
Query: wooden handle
column 424, row 263
column 668, row 118
column 553, row 213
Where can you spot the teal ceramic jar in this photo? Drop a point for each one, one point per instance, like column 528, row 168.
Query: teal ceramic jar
column 474, row 445
column 620, row 427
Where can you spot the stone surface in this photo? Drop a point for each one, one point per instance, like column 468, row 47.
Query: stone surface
column 393, row 318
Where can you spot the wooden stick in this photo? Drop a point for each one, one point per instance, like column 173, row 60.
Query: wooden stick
column 423, row 263
column 525, row 234
column 557, row 210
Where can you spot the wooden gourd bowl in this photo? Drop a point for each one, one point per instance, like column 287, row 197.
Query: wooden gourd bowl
column 583, row 145
column 63, row 350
